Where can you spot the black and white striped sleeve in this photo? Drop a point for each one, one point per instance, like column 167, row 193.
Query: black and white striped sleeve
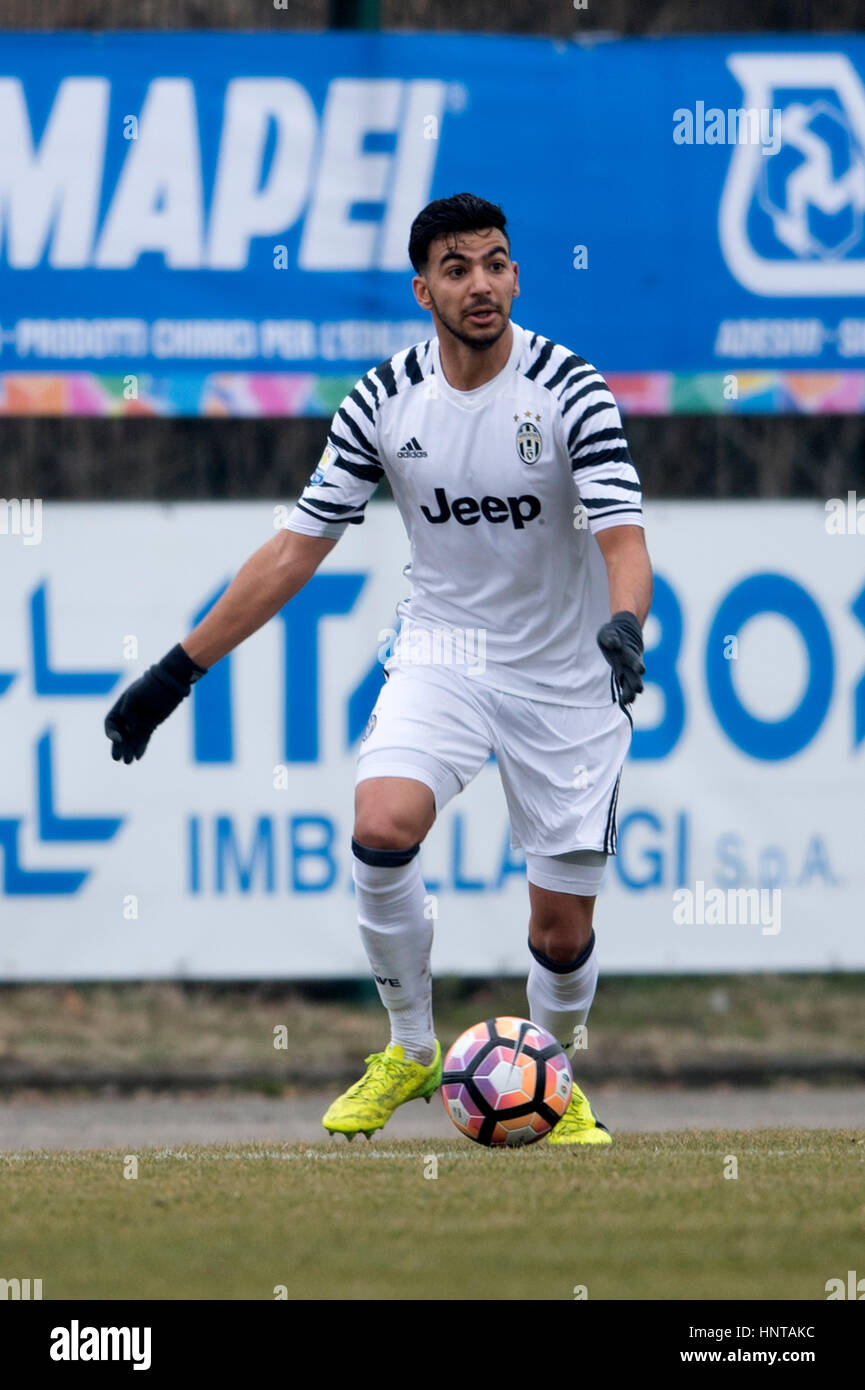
column 604, row 474
column 349, row 470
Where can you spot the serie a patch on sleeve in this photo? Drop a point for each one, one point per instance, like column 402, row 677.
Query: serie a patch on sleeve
column 323, row 464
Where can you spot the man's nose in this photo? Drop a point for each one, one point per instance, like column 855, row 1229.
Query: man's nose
column 480, row 281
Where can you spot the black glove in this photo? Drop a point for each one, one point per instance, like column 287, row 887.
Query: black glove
column 621, row 641
column 149, row 700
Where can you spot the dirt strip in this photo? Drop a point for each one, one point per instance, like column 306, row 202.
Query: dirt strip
column 131, row 1124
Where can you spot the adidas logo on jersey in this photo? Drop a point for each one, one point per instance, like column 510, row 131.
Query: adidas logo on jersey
column 468, row 510
column 412, row 450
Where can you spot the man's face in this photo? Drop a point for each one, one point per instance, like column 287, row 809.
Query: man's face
column 469, row 284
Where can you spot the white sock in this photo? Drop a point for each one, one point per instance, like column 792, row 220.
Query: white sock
column 559, row 1000
column 397, row 938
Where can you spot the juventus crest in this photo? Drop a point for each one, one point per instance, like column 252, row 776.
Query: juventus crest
column 529, row 442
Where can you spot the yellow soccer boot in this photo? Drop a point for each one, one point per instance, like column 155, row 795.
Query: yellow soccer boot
column 578, row 1124
column 390, row 1080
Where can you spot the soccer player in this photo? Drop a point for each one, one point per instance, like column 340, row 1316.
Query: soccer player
column 512, row 475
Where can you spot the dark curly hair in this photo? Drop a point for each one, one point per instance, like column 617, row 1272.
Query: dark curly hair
column 462, row 212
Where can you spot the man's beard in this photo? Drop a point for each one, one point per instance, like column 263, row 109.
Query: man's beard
column 480, row 344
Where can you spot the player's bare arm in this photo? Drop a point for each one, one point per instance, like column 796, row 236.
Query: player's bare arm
column 268, row 579
column 629, row 569
column 629, row 572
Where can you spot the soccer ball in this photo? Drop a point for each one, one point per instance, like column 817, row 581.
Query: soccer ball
column 506, row 1081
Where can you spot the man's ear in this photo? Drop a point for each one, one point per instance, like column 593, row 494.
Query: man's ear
column 516, row 280
column 421, row 293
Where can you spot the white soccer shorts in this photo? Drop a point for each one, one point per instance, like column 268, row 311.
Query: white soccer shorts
column 559, row 764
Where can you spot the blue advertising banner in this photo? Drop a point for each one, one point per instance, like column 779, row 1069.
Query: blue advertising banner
column 180, row 205
column 225, row 853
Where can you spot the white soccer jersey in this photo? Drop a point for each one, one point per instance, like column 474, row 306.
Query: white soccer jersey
column 500, row 490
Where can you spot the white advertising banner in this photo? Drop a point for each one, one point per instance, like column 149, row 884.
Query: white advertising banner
column 225, row 853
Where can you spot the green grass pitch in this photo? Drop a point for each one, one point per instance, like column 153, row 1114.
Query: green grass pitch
column 652, row 1217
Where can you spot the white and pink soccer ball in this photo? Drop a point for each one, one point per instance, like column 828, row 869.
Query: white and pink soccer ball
column 506, row 1081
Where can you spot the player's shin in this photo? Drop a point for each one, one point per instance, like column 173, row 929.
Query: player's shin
column 560, row 993
column 397, row 937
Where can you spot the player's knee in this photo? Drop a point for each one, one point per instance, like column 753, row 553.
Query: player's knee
column 379, row 828
column 561, row 932
column 563, row 945
column 386, row 819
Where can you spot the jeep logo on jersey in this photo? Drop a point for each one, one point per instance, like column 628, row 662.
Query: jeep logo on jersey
column 529, row 442
column 468, row 510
